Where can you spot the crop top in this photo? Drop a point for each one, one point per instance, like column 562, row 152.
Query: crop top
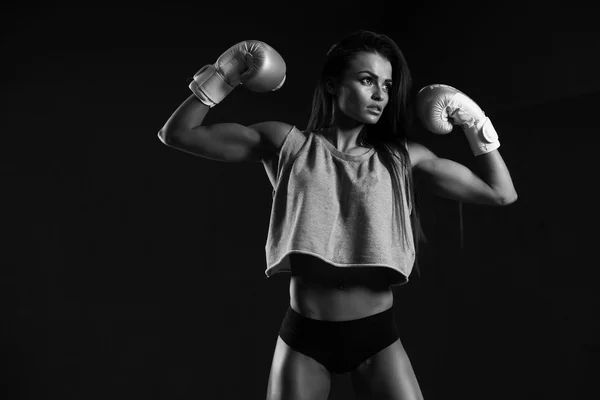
column 337, row 207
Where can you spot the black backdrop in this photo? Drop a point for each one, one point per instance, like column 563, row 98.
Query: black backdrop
column 132, row 270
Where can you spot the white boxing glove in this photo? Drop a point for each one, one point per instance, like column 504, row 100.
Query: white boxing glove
column 252, row 63
column 441, row 106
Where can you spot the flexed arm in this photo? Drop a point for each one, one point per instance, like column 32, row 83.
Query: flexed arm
column 252, row 64
column 439, row 107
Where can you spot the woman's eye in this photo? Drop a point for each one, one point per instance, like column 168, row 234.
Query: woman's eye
column 387, row 86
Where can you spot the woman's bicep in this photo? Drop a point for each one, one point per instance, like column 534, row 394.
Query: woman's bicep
column 418, row 153
column 449, row 179
column 231, row 142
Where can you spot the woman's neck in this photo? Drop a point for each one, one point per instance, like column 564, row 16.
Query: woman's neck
column 342, row 139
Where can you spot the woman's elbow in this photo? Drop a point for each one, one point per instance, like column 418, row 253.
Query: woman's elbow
column 167, row 137
column 505, row 199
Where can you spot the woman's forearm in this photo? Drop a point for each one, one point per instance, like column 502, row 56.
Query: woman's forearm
column 492, row 169
column 189, row 115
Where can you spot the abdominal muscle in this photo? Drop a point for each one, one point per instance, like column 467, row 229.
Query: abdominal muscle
column 322, row 291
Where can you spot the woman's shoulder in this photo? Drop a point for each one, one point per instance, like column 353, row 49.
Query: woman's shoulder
column 418, row 152
column 284, row 140
column 273, row 133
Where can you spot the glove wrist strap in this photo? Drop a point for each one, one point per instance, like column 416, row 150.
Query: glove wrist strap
column 209, row 86
column 482, row 137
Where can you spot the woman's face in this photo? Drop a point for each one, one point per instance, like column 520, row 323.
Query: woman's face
column 364, row 85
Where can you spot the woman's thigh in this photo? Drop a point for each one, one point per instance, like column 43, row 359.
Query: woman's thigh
column 387, row 375
column 295, row 376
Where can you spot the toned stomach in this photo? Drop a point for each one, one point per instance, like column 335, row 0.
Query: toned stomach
column 322, row 291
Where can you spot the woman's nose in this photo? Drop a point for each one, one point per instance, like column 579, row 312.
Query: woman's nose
column 377, row 94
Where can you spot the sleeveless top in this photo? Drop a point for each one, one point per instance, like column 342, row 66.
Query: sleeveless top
column 337, row 207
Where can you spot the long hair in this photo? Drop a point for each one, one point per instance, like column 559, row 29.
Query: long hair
column 388, row 136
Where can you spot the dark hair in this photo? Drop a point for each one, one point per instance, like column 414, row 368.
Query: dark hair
column 388, row 136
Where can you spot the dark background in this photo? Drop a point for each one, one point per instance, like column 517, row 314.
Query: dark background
column 132, row 270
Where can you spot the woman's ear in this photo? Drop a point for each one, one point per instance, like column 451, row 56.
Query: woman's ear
column 330, row 86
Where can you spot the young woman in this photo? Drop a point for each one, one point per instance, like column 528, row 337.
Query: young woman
column 343, row 220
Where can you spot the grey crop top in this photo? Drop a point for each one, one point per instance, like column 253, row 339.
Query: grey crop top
column 337, row 207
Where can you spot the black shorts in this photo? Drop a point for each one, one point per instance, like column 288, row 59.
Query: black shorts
column 340, row 346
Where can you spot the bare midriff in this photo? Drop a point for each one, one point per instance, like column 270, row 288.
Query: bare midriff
column 322, row 291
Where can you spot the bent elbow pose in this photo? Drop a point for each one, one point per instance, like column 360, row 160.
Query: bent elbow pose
column 343, row 220
column 253, row 64
column 440, row 107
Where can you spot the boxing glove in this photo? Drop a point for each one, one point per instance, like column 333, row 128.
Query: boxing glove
column 439, row 107
column 251, row 63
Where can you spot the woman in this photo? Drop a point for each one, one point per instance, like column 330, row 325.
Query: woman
column 343, row 222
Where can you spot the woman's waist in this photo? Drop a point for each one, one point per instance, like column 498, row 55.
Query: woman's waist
column 324, row 302
column 322, row 291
